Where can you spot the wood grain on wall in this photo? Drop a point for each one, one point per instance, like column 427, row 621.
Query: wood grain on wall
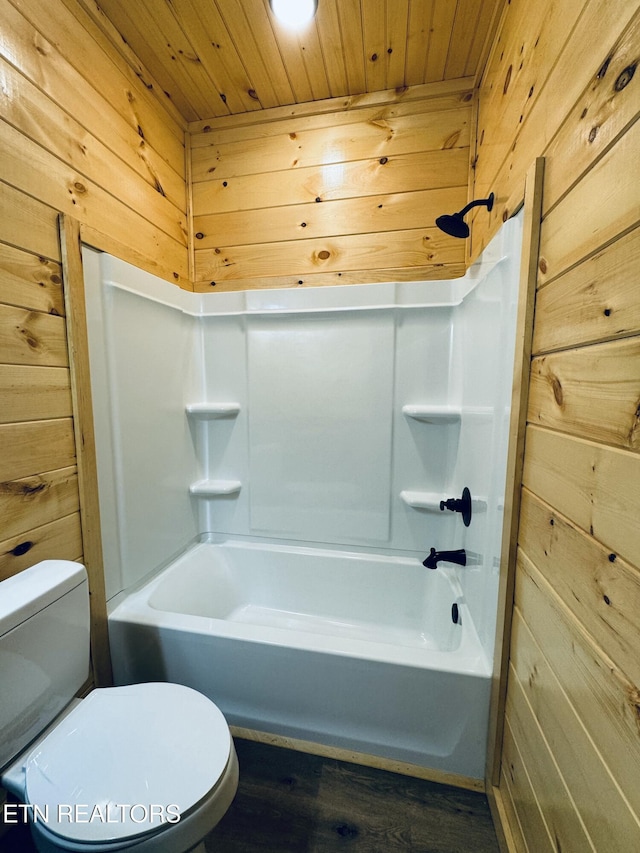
column 562, row 83
column 344, row 193
column 80, row 133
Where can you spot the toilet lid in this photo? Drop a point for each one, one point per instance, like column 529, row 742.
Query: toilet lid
column 126, row 761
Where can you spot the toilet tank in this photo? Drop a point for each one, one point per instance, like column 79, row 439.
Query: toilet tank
column 44, row 649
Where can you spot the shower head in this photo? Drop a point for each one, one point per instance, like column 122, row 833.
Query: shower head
column 454, row 224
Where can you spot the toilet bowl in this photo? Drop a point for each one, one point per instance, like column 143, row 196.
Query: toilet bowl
column 148, row 767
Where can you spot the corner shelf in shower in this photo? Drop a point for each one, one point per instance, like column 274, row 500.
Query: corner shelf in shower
column 431, row 500
column 209, row 411
column 422, row 500
column 433, row 414
column 215, row 488
column 210, row 488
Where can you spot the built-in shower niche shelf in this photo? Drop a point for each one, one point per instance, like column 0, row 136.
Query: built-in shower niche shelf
column 215, row 488
column 209, row 411
column 423, row 500
column 433, row 414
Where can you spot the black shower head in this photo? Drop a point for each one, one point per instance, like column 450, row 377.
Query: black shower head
column 454, row 224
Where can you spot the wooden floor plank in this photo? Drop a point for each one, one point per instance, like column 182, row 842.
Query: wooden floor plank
column 297, row 802
column 293, row 802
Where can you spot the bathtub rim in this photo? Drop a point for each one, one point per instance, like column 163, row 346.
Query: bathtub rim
column 258, row 542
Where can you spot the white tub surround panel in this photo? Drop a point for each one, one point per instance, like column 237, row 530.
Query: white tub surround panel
column 142, row 348
column 321, row 400
column 483, row 358
column 339, row 416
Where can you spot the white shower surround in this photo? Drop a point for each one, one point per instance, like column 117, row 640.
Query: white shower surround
column 329, row 419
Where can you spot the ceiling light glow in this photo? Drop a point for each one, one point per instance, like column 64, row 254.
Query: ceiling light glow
column 294, row 13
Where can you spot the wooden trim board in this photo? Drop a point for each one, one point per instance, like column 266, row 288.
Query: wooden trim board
column 517, row 424
column 75, row 310
column 501, row 825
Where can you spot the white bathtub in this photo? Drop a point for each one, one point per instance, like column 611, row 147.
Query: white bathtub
column 352, row 650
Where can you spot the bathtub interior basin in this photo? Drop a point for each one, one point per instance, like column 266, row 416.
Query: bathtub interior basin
column 339, row 594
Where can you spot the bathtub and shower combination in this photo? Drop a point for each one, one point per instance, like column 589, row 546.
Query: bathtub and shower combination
column 271, row 468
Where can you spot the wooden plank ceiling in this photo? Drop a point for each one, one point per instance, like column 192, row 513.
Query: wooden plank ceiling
column 221, row 57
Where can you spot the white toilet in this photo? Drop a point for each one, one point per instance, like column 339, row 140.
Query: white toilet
column 149, row 768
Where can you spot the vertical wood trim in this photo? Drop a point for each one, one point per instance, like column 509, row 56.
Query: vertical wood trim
column 77, row 340
column 189, row 200
column 504, row 833
column 515, row 458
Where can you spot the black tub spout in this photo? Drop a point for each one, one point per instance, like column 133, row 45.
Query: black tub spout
column 459, row 557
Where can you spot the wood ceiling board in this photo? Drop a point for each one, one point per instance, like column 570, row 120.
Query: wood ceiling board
column 220, row 57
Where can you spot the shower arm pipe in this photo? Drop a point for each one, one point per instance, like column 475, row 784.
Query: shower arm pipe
column 479, row 202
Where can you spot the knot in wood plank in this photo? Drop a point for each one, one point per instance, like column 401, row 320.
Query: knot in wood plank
column 556, row 385
column 625, row 77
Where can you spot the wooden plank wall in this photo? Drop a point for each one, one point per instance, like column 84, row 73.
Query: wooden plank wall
column 562, row 82
column 82, row 134
column 334, row 192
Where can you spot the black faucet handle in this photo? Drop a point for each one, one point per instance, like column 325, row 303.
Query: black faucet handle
column 461, row 505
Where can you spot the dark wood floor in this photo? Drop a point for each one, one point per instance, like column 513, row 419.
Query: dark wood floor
column 290, row 802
